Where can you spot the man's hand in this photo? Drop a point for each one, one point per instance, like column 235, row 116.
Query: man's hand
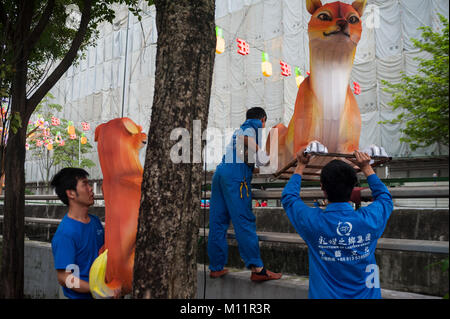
column 302, row 161
column 363, row 162
column 261, row 158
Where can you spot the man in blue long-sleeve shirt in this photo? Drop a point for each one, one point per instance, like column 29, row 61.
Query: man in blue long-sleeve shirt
column 341, row 241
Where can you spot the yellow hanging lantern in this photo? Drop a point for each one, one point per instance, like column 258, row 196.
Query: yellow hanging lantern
column 298, row 76
column 266, row 66
column 71, row 128
column 220, row 43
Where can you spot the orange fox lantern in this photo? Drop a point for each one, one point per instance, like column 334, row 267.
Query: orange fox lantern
column 325, row 108
column 118, row 143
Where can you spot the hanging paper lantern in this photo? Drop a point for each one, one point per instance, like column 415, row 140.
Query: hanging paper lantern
column 61, row 143
column 298, row 76
column 73, row 136
column 220, row 43
column 39, row 143
column 83, row 139
column 71, row 128
column 266, row 66
column 86, row 126
column 49, row 144
column 356, row 88
column 243, row 47
column 46, row 132
column 58, row 138
column 27, row 146
column 285, row 69
column 55, row 121
column 40, row 122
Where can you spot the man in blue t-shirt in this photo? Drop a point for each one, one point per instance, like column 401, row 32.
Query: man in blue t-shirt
column 341, row 241
column 79, row 236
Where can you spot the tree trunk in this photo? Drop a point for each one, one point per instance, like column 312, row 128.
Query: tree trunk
column 166, row 243
column 12, row 277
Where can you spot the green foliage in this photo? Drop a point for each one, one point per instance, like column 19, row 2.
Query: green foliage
column 444, row 267
column 67, row 155
column 424, row 97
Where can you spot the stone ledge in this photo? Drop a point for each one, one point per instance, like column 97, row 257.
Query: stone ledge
column 237, row 285
column 428, row 246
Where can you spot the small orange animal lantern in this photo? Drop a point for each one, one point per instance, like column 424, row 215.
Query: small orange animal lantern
column 83, row 139
column 266, row 66
column 298, row 76
column 118, row 143
column 220, row 44
column 71, row 128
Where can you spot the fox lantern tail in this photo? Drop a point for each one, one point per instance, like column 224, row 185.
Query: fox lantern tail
column 97, row 273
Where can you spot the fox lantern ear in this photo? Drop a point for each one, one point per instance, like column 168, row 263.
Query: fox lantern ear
column 359, row 6
column 130, row 126
column 313, row 5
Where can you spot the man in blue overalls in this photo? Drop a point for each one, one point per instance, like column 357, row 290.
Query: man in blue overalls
column 231, row 200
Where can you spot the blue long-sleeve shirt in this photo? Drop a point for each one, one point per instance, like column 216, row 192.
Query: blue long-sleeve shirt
column 341, row 241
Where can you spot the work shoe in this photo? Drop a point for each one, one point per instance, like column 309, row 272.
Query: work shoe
column 218, row 274
column 265, row 275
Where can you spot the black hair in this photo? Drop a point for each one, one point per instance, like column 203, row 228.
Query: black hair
column 338, row 179
column 257, row 113
column 67, row 179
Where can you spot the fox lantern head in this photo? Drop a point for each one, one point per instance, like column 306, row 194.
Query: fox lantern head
column 335, row 18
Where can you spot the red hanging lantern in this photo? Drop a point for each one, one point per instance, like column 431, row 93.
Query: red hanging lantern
column 285, row 69
column 55, row 121
column 86, row 126
column 243, row 47
column 356, row 88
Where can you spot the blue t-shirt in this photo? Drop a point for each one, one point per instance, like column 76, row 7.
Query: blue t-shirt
column 75, row 246
column 341, row 241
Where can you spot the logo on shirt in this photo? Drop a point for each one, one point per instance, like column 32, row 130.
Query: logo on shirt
column 99, row 231
column 344, row 229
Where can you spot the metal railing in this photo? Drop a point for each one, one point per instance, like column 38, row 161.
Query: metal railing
column 400, row 192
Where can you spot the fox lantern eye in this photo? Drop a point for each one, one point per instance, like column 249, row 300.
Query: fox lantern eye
column 353, row 19
column 324, row 17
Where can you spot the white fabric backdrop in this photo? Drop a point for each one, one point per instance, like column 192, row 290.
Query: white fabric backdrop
column 93, row 90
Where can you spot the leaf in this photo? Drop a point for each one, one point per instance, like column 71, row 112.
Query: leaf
column 15, row 122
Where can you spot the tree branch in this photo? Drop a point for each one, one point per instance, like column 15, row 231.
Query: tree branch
column 34, row 36
column 66, row 61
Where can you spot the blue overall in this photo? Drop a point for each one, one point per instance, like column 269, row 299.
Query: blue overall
column 231, row 199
